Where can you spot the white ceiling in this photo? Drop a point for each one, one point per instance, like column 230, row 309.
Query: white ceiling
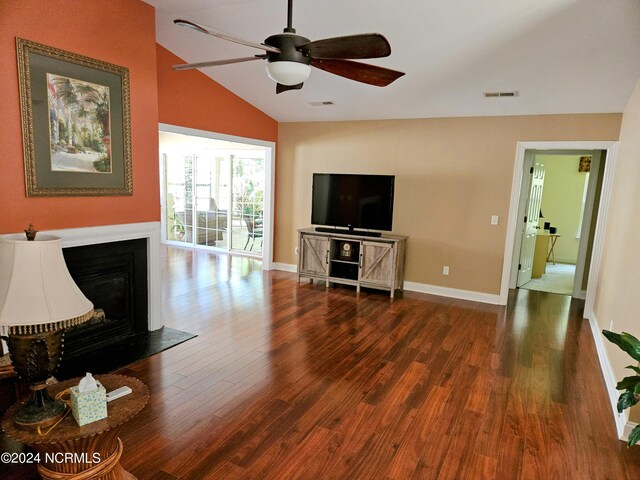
column 562, row 56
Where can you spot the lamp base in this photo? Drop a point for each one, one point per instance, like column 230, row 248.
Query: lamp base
column 40, row 410
column 35, row 357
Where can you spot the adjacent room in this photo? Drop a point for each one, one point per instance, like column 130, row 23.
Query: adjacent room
column 568, row 188
column 283, row 239
column 213, row 192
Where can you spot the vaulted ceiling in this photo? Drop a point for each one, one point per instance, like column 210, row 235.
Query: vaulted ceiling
column 561, row 56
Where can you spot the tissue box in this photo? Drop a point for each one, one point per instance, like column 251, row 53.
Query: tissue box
column 89, row 407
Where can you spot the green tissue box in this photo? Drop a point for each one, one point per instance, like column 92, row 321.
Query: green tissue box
column 90, row 406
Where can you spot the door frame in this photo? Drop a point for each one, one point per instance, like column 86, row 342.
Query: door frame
column 269, row 182
column 597, row 163
column 530, row 156
column 516, row 189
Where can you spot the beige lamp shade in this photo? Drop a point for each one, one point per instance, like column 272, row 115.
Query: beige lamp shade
column 37, row 293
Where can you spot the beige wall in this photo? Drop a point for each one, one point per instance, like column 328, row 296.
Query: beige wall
column 452, row 174
column 562, row 202
column 617, row 303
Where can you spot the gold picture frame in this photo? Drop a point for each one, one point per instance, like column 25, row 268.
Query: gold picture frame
column 76, row 123
column 585, row 164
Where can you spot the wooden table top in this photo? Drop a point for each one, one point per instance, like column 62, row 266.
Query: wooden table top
column 119, row 411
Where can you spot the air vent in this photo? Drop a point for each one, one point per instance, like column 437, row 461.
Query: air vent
column 500, row 94
column 321, row 104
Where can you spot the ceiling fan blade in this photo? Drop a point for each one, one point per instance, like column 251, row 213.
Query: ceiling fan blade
column 215, row 63
column 224, row 36
column 283, row 88
column 360, row 72
column 366, row 45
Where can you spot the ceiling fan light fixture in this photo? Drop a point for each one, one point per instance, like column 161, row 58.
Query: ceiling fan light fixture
column 290, row 56
column 288, row 73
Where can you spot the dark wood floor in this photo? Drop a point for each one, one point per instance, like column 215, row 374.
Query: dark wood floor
column 295, row 381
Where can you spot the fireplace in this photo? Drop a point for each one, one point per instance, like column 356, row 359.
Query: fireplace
column 114, row 277
column 149, row 231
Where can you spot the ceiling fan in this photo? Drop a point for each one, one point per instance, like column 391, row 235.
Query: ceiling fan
column 291, row 56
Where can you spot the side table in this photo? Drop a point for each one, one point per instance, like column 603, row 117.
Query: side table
column 92, row 451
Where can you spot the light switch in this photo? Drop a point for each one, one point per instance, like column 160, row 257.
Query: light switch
column 494, row 219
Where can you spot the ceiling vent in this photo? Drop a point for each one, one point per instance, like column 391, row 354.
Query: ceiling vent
column 321, row 104
column 500, row 94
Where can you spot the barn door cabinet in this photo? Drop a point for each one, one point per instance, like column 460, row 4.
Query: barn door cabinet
column 362, row 261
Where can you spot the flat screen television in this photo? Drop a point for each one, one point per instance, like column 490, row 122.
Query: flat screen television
column 353, row 201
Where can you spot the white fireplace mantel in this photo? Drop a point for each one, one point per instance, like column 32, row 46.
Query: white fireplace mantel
column 76, row 237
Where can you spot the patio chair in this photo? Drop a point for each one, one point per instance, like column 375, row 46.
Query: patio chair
column 254, row 227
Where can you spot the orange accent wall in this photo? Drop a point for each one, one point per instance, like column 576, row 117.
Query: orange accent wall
column 118, row 31
column 191, row 99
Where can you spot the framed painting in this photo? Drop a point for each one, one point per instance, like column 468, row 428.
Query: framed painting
column 76, row 124
column 585, row 164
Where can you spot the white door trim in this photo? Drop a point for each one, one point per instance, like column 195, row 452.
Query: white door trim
column 592, row 187
column 268, row 227
column 611, row 147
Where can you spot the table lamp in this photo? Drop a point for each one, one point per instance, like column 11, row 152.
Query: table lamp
column 38, row 301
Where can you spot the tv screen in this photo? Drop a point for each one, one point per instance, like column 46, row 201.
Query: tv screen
column 354, row 201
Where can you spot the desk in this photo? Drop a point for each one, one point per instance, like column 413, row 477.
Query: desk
column 545, row 242
column 553, row 237
column 94, row 440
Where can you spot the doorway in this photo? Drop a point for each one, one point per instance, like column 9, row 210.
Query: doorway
column 567, row 190
column 556, row 245
column 524, row 156
column 216, row 192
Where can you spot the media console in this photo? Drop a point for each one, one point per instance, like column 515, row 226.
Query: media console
column 351, row 233
column 359, row 260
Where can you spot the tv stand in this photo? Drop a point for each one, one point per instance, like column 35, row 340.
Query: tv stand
column 341, row 231
column 351, row 258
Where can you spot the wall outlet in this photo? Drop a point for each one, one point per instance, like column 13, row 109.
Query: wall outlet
column 296, row 250
column 445, row 270
column 494, row 219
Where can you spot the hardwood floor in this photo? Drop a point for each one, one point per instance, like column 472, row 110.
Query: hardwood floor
column 292, row 381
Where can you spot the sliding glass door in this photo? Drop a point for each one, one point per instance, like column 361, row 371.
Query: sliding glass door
column 213, row 194
column 178, row 191
column 212, row 201
column 248, row 202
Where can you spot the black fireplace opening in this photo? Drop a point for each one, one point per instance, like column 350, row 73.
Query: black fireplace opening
column 114, row 277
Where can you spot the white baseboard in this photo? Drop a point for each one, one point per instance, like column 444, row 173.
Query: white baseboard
column 565, row 261
column 285, row 267
column 423, row 288
column 452, row 293
column 621, row 419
